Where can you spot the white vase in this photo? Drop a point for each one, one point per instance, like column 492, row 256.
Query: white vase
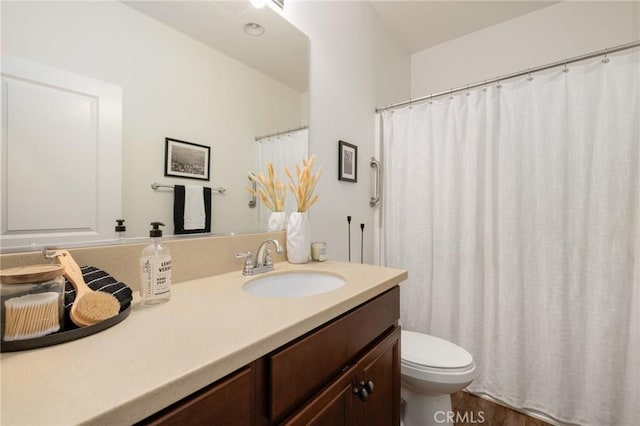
column 298, row 238
column 277, row 221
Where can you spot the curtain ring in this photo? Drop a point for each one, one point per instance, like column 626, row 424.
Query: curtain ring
column 484, row 86
column 468, row 93
column 605, row 60
column 529, row 76
column 450, row 93
column 499, row 85
column 566, row 68
column 431, row 99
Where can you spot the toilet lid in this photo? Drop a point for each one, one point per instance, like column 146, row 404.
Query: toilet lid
column 431, row 351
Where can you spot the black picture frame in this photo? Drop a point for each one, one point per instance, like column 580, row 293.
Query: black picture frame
column 186, row 159
column 347, row 162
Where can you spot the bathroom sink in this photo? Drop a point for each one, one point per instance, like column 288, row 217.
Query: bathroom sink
column 293, row 284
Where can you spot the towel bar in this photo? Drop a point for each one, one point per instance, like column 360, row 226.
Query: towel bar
column 155, row 186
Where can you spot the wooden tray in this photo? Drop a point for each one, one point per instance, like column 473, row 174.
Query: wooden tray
column 62, row 336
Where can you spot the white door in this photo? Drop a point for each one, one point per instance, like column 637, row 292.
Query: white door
column 61, row 155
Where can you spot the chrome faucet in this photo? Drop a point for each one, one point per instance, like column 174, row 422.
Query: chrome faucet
column 263, row 262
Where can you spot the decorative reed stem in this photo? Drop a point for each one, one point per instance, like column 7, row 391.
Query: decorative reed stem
column 302, row 188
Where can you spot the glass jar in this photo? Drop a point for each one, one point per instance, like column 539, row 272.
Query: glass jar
column 32, row 301
column 319, row 251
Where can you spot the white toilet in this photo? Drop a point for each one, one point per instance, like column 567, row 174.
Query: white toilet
column 431, row 370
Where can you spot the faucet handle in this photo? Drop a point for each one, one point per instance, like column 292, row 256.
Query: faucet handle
column 247, row 269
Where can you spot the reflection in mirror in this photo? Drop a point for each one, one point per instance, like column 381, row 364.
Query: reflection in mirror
column 186, row 70
column 282, row 150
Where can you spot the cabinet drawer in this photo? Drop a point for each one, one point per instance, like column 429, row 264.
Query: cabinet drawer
column 302, row 368
column 229, row 401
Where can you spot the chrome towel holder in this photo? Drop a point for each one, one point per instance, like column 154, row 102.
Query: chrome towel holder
column 155, row 186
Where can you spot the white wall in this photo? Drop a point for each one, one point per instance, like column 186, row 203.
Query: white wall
column 355, row 66
column 173, row 86
column 556, row 32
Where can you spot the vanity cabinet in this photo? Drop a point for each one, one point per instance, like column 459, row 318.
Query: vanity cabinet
column 345, row 372
column 360, row 346
column 366, row 393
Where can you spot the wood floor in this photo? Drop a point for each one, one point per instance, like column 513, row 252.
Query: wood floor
column 493, row 414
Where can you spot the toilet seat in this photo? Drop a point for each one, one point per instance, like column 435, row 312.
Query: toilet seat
column 434, row 359
column 422, row 350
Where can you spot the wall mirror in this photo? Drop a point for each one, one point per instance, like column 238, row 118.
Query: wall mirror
column 185, row 70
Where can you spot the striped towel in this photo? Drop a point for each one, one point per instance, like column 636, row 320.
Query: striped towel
column 97, row 280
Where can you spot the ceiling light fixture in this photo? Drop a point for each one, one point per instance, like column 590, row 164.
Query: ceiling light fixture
column 254, row 29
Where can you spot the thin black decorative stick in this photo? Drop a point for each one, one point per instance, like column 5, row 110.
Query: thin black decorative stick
column 349, row 220
column 361, row 242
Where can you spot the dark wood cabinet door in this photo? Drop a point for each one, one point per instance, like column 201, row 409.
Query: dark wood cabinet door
column 333, row 406
column 380, row 367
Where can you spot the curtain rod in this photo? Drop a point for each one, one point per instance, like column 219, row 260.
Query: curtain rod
column 564, row 62
column 257, row 138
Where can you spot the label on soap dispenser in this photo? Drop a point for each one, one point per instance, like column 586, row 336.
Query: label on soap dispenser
column 155, row 275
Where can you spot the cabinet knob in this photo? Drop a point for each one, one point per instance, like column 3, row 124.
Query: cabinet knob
column 363, row 389
column 361, row 392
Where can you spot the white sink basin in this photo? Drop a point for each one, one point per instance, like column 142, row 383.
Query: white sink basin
column 293, row 284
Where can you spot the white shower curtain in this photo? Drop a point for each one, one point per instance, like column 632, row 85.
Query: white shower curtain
column 516, row 211
column 282, row 151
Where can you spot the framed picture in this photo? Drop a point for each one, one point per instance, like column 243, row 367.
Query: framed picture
column 347, row 162
column 186, row 159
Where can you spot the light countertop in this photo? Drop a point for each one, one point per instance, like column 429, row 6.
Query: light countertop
column 162, row 353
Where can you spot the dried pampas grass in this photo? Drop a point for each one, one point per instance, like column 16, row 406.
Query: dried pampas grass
column 271, row 191
column 303, row 188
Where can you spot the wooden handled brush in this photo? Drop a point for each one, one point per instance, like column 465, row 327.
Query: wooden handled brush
column 90, row 307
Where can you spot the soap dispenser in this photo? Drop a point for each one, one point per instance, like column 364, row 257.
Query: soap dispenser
column 120, row 229
column 155, row 269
